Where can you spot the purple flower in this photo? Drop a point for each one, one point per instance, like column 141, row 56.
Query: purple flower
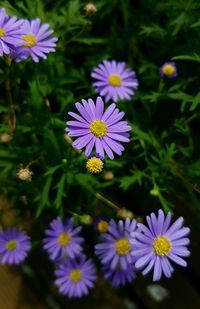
column 37, row 41
column 62, row 239
column 101, row 225
column 10, row 32
column 14, row 246
column 114, row 80
column 159, row 243
column 116, row 245
column 168, row 70
column 99, row 129
column 75, row 277
column 120, row 276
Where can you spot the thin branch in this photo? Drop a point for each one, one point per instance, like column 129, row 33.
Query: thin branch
column 12, row 115
column 195, row 187
column 106, row 201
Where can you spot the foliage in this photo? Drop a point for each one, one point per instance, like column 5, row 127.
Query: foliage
column 162, row 160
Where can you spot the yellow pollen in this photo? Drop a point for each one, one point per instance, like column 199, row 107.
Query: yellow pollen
column 102, row 226
column 11, row 245
column 64, row 239
column 2, row 32
column 162, row 245
column 122, row 246
column 98, row 128
column 94, row 165
column 30, row 39
column 168, row 70
column 75, row 275
column 114, row 80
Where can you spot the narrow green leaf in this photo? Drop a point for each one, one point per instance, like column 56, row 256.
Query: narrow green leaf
column 60, row 192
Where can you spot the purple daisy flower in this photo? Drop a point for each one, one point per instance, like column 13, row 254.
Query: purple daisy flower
column 159, row 243
column 37, row 41
column 75, row 277
column 120, row 276
column 14, row 246
column 116, row 245
column 114, row 80
column 99, row 129
column 62, row 239
column 10, row 32
column 168, row 70
column 101, row 225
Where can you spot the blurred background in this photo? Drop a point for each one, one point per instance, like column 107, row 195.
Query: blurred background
column 160, row 168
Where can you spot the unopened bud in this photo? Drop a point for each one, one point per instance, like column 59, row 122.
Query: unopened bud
column 95, row 164
column 154, row 191
column 90, row 9
column 6, row 137
column 85, row 219
column 108, row 175
column 124, row 213
column 24, row 174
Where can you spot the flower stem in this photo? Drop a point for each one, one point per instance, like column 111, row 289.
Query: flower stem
column 106, row 201
column 12, row 115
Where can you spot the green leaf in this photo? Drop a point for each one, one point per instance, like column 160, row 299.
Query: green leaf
column 152, row 30
column 178, row 23
column 35, row 94
column 195, row 102
column 167, row 206
column 60, row 192
column 88, row 182
column 194, row 57
column 90, row 40
column 51, row 170
column 127, row 181
column 196, row 24
column 44, row 196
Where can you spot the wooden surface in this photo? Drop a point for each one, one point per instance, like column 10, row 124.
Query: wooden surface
column 14, row 292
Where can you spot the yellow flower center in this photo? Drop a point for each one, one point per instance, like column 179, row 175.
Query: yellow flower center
column 98, row 128
column 122, row 246
column 168, row 70
column 102, row 226
column 2, row 32
column 114, row 80
column 11, row 245
column 75, row 275
column 162, row 245
column 30, row 39
column 64, row 239
column 94, row 165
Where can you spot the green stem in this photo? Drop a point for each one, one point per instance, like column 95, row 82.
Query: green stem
column 106, row 201
column 12, row 115
column 161, row 85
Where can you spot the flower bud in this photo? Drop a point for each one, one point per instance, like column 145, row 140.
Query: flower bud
column 124, row 213
column 95, row 164
column 6, row 137
column 90, row 9
column 108, row 175
column 24, row 174
column 85, row 219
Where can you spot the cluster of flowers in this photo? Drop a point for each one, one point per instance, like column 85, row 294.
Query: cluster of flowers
column 124, row 247
column 21, row 38
column 102, row 130
column 99, row 128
